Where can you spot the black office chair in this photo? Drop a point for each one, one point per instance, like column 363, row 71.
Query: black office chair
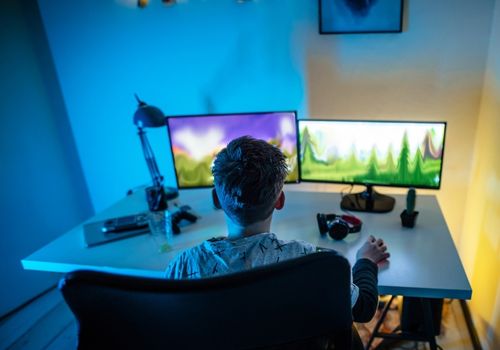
column 284, row 305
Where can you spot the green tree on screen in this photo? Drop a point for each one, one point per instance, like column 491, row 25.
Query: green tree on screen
column 372, row 165
column 404, row 160
column 418, row 174
column 308, row 154
column 390, row 166
column 352, row 160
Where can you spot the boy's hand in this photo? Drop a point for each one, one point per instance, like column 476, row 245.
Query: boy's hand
column 373, row 249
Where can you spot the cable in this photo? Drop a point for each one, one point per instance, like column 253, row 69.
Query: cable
column 342, row 190
column 342, row 195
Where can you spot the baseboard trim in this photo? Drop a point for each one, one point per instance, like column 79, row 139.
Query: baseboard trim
column 26, row 303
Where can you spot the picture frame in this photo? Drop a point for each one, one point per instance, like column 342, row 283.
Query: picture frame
column 360, row 16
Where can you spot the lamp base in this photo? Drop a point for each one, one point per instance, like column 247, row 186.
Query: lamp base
column 157, row 197
column 170, row 192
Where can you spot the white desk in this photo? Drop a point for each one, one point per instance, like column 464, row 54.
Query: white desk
column 423, row 263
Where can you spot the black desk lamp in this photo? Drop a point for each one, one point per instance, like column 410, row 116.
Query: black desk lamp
column 152, row 117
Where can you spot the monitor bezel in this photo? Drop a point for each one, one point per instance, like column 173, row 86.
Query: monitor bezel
column 373, row 183
column 222, row 115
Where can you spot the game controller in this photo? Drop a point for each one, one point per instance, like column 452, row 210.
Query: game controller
column 183, row 213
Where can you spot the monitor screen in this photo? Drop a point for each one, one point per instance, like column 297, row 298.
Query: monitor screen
column 195, row 140
column 387, row 153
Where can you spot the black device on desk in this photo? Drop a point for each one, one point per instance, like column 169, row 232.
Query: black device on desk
column 183, row 213
column 125, row 223
column 101, row 232
column 338, row 226
column 114, row 229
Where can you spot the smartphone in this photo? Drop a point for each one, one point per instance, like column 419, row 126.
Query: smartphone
column 125, row 223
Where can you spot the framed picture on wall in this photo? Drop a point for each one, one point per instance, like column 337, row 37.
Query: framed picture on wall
column 360, row 16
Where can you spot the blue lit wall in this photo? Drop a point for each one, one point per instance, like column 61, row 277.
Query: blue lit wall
column 42, row 190
column 196, row 57
column 220, row 56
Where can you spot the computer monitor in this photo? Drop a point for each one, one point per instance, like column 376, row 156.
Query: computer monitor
column 382, row 153
column 196, row 139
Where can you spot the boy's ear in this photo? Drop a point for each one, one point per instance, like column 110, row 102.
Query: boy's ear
column 215, row 199
column 280, row 202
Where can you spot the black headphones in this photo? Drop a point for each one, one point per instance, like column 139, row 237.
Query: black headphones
column 338, row 226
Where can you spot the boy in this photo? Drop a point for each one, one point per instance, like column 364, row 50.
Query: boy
column 248, row 178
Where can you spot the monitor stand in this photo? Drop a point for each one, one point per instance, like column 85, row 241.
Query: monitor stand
column 368, row 200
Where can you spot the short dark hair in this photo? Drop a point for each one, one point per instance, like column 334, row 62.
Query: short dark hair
column 248, row 176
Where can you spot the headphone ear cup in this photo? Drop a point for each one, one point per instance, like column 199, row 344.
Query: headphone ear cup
column 330, row 217
column 322, row 225
column 215, row 200
column 338, row 230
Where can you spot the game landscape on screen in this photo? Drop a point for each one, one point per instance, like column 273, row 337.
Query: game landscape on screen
column 196, row 140
column 384, row 153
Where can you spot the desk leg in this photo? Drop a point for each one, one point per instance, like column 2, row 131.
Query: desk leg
column 429, row 323
column 379, row 323
column 470, row 325
column 427, row 335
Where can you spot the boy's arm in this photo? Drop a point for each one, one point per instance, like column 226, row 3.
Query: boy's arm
column 364, row 274
column 173, row 270
column 354, row 287
column 178, row 268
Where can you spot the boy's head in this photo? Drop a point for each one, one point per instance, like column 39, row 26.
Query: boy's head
column 248, row 176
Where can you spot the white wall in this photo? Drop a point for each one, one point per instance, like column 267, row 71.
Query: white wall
column 432, row 71
column 42, row 190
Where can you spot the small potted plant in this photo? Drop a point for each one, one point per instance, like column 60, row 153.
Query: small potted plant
column 409, row 215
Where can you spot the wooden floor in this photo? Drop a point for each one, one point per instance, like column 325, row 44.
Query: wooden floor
column 47, row 323
column 454, row 334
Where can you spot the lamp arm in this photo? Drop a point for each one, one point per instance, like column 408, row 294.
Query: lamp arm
column 150, row 159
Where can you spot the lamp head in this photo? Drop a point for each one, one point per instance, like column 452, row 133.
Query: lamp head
column 148, row 116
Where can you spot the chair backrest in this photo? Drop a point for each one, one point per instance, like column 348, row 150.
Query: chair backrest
column 282, row 303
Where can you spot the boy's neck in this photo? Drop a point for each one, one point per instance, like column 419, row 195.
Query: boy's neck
column 236, row 231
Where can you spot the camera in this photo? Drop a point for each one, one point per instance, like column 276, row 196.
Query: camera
column 338, row 226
